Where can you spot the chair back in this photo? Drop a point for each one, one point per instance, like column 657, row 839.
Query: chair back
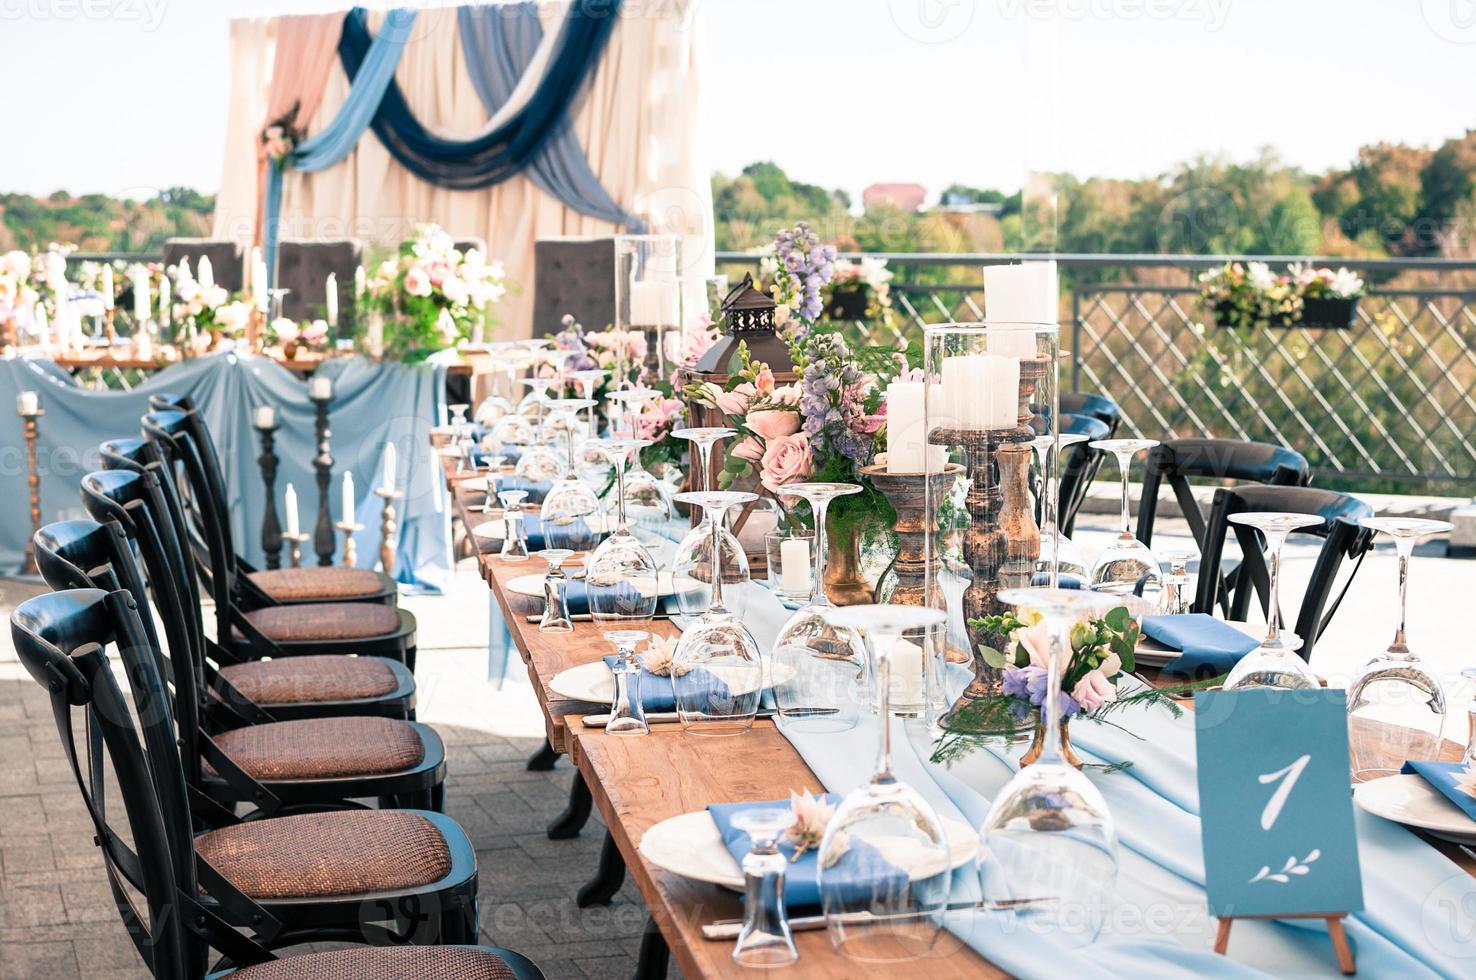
column 224, row 254
column 302, row 270
column 1180, row 460
column 1344, row 539
column 1079, row 466
column 1099, row 407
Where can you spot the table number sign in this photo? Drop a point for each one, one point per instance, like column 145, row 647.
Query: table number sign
column 1275, row 809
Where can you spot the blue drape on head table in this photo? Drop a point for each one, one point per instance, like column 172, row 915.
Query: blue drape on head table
column 491, row 157
column 498, row 43
column 372, row 405
column 336, row 140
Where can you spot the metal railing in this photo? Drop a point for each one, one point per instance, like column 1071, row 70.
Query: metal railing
column 1387, row 404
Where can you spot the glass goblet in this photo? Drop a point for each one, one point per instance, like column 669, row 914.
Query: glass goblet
column 627, row 715
column 884, row 860
column 1127, row 566
column 827, row 688
column 1274, row 663
column 692, row 563
column 717, row 671
column 514, row 545
column 555, row 617
column 588, row 380
column 621, row 576
column 494, row 470
column 647, row 498
column 1397, row 708
column 1057, row 551
column 1177, row 597
column 765, row 940
column 1050, row 839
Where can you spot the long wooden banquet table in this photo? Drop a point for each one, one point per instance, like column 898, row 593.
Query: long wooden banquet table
column 639, row 782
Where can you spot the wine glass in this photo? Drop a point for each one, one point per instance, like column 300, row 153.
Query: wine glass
column 587, row 380
column 1396, row 705
column 692, row 564
column 1127, row 566
column 646, row 497
column 1050, row 841
column 555, row 617
column 884, row 862
column 765, row 940
column 627, row 715
column 540, row 462
column 572, row 516
column 514, row 546
column 717, row 672
column 621, row 576
column 828, row 685
column 1274, row 663
column 1058, row 553
column 494, row 470
column 510, row 430
column 1177, row 597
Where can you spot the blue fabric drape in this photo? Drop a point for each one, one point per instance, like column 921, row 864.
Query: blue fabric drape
column 505, row 151
column 498, row 42
column 376, row 72
column 373, row 404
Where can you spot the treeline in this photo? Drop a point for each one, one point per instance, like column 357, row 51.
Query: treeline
column 99, row 223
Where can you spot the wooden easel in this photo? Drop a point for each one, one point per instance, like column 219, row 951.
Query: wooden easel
column 1335, row 932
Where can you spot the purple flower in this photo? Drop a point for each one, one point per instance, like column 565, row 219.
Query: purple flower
column 1030, row 683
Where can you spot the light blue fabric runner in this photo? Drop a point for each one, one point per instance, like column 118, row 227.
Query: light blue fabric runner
column 498, row 42
column 335, row 141
column 373, row 404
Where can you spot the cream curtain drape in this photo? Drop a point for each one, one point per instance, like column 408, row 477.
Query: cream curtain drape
column 639, row 121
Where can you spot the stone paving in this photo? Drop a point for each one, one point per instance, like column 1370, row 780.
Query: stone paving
column 56, row 914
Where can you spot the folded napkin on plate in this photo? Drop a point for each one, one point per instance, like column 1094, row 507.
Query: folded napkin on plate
column 658, row 693
column 1211, row 647
column 1442, row 776
column 509, row 454
column 576, row 597
column 535, row 491
column 537, row 540
column 861, row 875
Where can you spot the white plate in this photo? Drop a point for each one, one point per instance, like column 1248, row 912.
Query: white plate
column 1412, row 801
column 691, row 846
column 1151, row 653
column 532, row 585
column 594, row 683
column 599, row 523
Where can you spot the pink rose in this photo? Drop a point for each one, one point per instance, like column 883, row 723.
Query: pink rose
column 437, row 271
column 1037, row 642
column 750, row 449
column 786, row 460
column 1094, row 690
column 417, row 283
column 771, row 424
column 736, row 402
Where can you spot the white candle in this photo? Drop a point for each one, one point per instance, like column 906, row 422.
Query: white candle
column 264, row 417
column 1004, row 391
column 183, row 269
column 259, row 282
column 906, row 441
column 143, row 305
column 43, row 328
column 320, row 388
column 248, row 266
column 164, row 310
column 654, row 303
column 389, row 467
column 107, row 287
column 794, row 565
column 205, row 273
column 289, row 505
column 1025, row 293
column 359, row 280
column 906, row 684
column 980, row 391
column 348, row 498
column 331, row 288
column 27, row 403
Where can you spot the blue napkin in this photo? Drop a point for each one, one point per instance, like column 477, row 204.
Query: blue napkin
column 862, row 875
column 576, row 595
column 509, row 454
column 659, row 693
column 535, row 491
column 537, row 540
column 1211, row 647
column 1441, row 775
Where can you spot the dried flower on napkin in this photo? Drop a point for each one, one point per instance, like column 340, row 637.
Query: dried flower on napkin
column 811, row 814
column 657, row 658
column 1465, row 781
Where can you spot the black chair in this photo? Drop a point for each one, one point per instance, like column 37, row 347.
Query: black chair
column 275, row 766
column 305, row 628
column 1343, row 540
column 302, row 270
column 1180, row 460
column 1079, row 466
column 224, row 255
column 1099, row 407
column 242, row 889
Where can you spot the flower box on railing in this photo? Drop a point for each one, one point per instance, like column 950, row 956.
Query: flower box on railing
column 1323, row 313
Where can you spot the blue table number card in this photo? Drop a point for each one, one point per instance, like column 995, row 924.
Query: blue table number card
column 1274, row 803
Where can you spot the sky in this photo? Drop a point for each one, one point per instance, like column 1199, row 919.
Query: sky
column 124, row 96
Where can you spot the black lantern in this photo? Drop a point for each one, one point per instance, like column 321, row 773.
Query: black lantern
column 748, row 318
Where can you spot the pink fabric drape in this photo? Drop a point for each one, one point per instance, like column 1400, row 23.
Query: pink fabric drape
column 306, row 50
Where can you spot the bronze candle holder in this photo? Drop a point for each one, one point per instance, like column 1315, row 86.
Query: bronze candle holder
column 909, row 493
column 350, row 550
column 294, row 547
column 31, row 431
column 388, row 530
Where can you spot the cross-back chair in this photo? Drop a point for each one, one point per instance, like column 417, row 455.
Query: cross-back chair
column 1079, row 466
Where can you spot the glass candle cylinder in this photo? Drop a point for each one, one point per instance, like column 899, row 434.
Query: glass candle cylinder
column 648, row 301
column 791, row 561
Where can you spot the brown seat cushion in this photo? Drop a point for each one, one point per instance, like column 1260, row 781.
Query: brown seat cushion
column 323, row 748
column 386, row 963
column 300, row 584
column 317, row 855
column 328, row 621
column 304, row 680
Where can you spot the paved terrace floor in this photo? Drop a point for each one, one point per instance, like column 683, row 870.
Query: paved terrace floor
column 56, row 913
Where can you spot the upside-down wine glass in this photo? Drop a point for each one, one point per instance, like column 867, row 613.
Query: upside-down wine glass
column 627, row 714
column 1050, row 843
column 1274, row 663
column 1177, row 597
column 765, row 940
column 717, row 671
column 514, row 547
column 692, row 565
column 1058, row 553
column 571, row 515
column 1127, row 566
column 587, row 380
column 646, row 497
column 885, row 872
column 1397, row 708
column 621, row 576
column 828, row 686
column 540, row 462
column 555, row 617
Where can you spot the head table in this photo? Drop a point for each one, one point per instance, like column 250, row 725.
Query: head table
column 1164, row 929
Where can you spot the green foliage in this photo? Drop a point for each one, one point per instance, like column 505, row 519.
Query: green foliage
column 98, row 223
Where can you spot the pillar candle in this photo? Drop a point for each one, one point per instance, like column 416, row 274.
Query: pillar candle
column 289, row 506
column 205, row 273
column 27, row 403
column 1025, row 293
column 43, row 328
column 348, row 498
column 320, row 388
column 1003, row 391
column 653, row 303
column 359, row 281
column 906, row 685
column 331, row 306
column 795, row 564
column 264, row 417
column 142, row 303
column 164, row 311
column 107, row 287
column 906, row 440
column 248, row 266
column 389, row 467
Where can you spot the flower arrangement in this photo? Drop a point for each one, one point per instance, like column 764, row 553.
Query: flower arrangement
column 280, row 136
column 812, row 814
column 432, row 294
column 766, row 415
column 801, row 267
column 293, row 337
column 1249, row 294
column 860, row 291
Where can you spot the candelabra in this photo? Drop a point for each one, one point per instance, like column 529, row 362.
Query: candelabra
column 389, row 529
column 908, row 494
column 294, row 547
column 271, row 530
column 350, row 550
column 29, row 418
column 323, row 539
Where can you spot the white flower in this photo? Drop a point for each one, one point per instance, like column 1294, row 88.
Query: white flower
column 1260, row 276
column 781, row 314
column 658, row 656
column 811, row 816
column 455, row 290
column 285, row 329
column 1347, row 284
column 17, row 263
column 473, row 259
column 233, row 316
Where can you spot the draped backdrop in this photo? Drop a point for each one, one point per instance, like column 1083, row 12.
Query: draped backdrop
column 507, row 122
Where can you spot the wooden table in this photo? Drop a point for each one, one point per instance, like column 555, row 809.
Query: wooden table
column 123, row 358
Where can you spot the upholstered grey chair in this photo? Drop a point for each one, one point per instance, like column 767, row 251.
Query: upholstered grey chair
column 302, row 269
column 573, row 276
column 225, row 258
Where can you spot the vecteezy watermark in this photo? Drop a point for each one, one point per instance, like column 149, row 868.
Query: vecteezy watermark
column 1452, row 20
column 1211, row 13
column 932, row 21
column 148, row 14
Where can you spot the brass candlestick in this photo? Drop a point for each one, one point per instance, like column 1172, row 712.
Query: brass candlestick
column 294, row 547
column 350, row 550
column 110, row 330
column 33, row 483
column 388, row 530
